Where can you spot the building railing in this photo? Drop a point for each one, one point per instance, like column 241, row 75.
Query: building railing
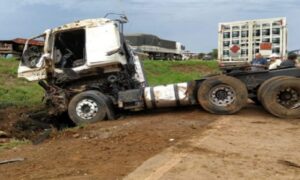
column 5, row 48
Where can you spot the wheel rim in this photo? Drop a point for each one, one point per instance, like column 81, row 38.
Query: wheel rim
column 222, row 95
column 87, row 109
column 288, row 98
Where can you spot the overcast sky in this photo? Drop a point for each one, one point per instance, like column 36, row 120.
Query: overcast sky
column 192, row 22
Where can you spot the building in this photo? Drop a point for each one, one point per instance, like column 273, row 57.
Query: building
column 239, row 41
column 14, row 48
column 190, row 55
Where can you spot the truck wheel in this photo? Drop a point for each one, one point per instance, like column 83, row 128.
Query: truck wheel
column 265, row 84
column 88, row 107
column 222, row 95
column 282, row 98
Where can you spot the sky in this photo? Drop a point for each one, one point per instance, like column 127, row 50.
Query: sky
column 194, row 23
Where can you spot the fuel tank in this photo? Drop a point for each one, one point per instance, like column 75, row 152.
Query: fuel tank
column 171, row 95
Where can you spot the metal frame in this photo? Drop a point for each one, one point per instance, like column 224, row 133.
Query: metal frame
column 251, row 26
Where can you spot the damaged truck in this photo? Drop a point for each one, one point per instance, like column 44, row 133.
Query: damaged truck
column 87, row 70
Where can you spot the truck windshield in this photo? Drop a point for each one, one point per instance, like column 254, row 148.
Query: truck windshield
column 69, row 49
column 33, row 51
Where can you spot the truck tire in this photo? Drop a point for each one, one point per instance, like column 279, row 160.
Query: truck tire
column 222, row 95
column 282, row 97
column 265, row 84
column 88, row 107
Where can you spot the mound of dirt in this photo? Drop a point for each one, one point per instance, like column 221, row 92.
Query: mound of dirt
column 29, row 123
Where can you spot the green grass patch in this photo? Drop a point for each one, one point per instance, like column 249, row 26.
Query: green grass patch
column 166, row 72
column 15, row 91
column 13, row 143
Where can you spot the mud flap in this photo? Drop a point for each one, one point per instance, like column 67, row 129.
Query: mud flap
column 110, row 109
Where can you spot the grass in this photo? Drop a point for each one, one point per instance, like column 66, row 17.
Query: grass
column 14, row 91
column 75, row 129
column 166, row 72
column 13, row 143
column 21, row 93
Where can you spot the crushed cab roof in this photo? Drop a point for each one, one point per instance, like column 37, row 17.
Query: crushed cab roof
column 82, row 23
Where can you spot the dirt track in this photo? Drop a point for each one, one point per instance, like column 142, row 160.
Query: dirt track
column 177, row 144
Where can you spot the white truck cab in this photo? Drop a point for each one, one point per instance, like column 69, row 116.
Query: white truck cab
column 76, row 47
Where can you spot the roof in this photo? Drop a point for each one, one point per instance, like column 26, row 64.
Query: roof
column 283, row 19
column 140, row 34
column 31, row 42
column 23, row 41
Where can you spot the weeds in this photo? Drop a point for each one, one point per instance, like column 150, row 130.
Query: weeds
column 166, row 72
column 13, row 143
column 15, row 91
column 76, row 128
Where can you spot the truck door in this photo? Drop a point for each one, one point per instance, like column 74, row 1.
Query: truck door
column 32, row 65
column 103, row 45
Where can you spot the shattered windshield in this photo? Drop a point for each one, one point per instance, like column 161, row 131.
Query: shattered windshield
column 33, row 51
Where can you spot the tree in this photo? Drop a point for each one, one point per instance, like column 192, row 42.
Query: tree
column 214, row 53
column 201, row 55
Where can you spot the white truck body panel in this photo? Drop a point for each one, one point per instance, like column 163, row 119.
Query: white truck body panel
column 99, row 41
column 140, row 75
column 239, row 41
column 31, row 74
column 179, row 49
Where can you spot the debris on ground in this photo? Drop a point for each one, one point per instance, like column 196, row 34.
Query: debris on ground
column 3, row 134
column 11, row 161
column 32, row 124
column 288, row 163
column 42, row 137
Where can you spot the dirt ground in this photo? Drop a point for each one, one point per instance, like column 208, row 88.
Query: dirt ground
column 182, row 143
